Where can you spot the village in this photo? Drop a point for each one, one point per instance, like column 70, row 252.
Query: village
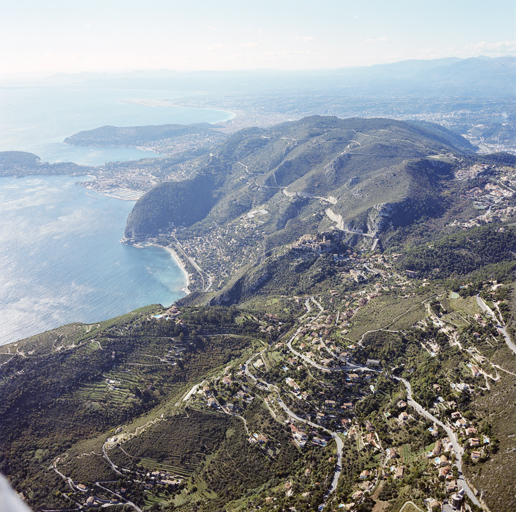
column 315, row 380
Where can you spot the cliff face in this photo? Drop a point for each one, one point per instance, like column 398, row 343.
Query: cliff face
column 169, row 205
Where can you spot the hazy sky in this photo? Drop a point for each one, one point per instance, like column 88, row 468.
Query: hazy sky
column 117, row 35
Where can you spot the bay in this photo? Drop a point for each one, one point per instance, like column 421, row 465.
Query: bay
column 61, row 259
column 38, row 119
column 60, row 256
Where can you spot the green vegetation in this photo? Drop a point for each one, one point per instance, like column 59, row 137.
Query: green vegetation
column 344, row 282
column 20, row 163
column 170, row 204
column 487, row 250
column 112, row 136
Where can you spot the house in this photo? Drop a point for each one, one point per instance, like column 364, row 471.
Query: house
column 403, row 417
column 399, row 472
column 262, row 439
column 451, row 486
column 369, row 438
column 391, row 453
column 474, row 441
column 292, row 383
column 475, row 456
column 357, row 495
column 443, row 460
column 471, row 431
column 437, row 448
column 456, row 499
column 443, row 472
column 461, row 423
column 475, row 371
column 364, row 475
column 402, row 404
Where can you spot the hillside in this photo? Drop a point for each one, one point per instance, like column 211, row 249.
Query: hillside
column 349, row 343
column 113, row 136
column 21, row 163
column 368, row 173
column 265, row 404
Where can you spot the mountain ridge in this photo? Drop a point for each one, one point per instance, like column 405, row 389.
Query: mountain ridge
column 315, row 157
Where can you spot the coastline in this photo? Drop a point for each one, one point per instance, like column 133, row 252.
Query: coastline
column 180, row 264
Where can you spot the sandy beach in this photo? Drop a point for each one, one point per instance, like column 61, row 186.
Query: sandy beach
column 180, row 264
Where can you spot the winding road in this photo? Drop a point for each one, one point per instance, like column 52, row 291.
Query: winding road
column 501, row 327
column 451, row 435
column 291, row 414
column 338, row 440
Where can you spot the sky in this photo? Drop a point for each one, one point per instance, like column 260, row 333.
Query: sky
column 72, row 36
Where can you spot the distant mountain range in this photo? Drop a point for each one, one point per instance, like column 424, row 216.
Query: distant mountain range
column 479, row 75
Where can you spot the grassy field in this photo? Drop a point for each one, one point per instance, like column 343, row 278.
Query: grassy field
column 387, row 312
column 466, row 307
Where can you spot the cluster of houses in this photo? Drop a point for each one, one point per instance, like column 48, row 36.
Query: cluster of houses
column 311, row 243
column 484, row 198
column 150, row 480
column 471, row 173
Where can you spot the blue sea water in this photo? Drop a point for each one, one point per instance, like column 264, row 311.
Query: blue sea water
column 60, row 256
column 62, row 260
column 38, row 119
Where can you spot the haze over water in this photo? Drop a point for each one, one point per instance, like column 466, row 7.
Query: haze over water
column 61, row 259
column 38, row 119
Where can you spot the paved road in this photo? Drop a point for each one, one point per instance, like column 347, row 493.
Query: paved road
column 502, row 328
column 110, row 462
column 451, row 436
column 338, row 440
column 121, row 498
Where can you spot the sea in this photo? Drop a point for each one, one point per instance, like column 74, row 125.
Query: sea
column 60, row 251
